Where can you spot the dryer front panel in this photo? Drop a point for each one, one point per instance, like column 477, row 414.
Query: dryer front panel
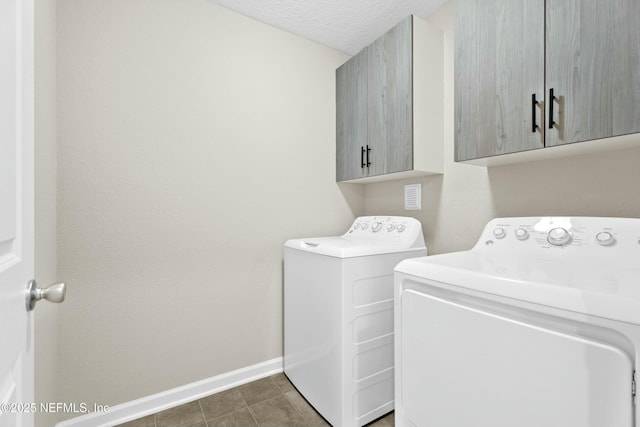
column 467, row 366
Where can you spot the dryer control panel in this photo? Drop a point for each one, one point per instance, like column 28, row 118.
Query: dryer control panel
column 584, row 234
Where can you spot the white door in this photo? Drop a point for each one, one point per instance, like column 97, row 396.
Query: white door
column 16, row 212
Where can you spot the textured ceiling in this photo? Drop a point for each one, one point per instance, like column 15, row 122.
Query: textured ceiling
column 346, row 25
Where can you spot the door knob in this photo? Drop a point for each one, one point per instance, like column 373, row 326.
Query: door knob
column 54, row 293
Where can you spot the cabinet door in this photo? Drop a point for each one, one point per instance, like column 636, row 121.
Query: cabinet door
column 390, row 101
column 593, row 66
column 351, row 117
column 499, row 65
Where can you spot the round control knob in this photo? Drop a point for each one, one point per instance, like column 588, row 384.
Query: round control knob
column 522, row 234
column 401, row 228
column 356, row 226
column 390, row 227
column 605, row 238
column 499, row 233
column 559, row 236
column 365, row 226
column 377, row 226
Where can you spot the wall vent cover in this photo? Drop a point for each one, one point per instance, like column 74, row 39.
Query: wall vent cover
column 413, row 197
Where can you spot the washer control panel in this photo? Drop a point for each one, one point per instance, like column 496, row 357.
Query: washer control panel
column 377, row 224
column 383, row 227
column 561, row 233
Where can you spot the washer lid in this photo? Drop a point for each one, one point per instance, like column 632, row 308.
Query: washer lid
column 607, row 289
column 368, row 235
column 348, row 247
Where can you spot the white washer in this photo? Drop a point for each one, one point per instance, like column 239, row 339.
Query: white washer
column 537, row 325
column 338, row 316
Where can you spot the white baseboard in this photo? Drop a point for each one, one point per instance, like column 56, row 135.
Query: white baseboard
column 177, row 396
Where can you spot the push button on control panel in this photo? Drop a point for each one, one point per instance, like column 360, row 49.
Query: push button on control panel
column 522, row 234
column 605, row 238
column 499, row 233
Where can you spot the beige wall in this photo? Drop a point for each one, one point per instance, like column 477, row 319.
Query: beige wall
column 458, row 204
column 192, row 143
column 46, row 316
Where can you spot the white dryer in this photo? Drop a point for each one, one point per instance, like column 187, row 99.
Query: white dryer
column 537, row 326
column 338, row 316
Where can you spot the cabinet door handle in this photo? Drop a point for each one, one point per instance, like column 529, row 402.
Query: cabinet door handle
column 551, row 102
column 368, row 162
column 361, row 157
column 534, row 105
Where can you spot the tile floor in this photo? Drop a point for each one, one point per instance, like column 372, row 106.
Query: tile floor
column 269, row 402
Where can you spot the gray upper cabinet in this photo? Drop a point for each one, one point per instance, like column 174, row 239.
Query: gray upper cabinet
column 376, row 105
column 593, row 67
column 351, row 117
column 499, row 65
column 390, row 101
column 539, row 73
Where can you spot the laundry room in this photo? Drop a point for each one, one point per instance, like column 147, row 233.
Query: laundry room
column 180, row 143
